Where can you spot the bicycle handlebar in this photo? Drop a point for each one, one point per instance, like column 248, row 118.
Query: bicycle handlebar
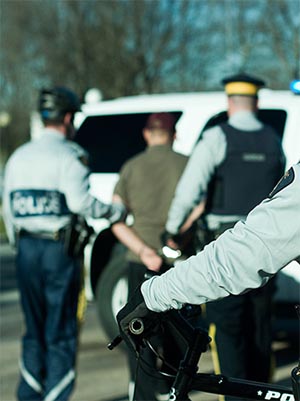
column 136, row 326
column 195, row 341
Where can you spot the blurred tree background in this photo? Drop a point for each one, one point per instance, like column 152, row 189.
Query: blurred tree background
column 128, row 47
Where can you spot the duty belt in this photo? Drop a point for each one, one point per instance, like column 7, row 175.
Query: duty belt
column 54, row 236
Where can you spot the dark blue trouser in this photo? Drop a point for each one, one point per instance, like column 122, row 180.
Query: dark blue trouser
column 243, row 334
column 49, row 284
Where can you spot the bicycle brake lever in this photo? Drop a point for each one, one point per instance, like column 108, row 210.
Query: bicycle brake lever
column 115, row 342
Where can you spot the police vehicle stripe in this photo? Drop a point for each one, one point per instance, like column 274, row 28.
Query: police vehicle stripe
column 38, row 202
column 30, row 380
column 57, row 390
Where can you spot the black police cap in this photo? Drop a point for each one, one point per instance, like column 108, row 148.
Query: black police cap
column 242, row 84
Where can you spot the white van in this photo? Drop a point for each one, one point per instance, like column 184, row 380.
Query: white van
column 111, row 132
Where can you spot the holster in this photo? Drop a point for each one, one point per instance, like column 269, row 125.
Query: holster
column 77, row 235
column 203, row 235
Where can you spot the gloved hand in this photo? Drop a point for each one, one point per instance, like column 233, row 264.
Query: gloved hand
column 136, row 318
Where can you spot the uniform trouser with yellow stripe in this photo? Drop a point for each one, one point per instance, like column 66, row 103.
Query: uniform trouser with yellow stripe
column 49, row 282
column 240, row 327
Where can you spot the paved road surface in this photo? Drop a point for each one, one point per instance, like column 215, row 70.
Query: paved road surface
column 102, row 374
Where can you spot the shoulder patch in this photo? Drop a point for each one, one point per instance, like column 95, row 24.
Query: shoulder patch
column 286, row 180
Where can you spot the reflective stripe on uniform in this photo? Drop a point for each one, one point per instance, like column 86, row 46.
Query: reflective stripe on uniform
column 30, row 380
column 56, row 391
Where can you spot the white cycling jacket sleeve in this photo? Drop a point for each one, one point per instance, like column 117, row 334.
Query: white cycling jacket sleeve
column 243, row 258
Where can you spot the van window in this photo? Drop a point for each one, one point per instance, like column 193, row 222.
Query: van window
column 110, row 140
column 275, row 118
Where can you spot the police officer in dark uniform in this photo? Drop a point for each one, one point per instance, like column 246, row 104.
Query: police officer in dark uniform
column 46, row 182
column 241, row 258
column 233, row 167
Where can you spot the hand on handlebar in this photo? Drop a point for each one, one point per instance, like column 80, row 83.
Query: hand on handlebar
column 136, row 321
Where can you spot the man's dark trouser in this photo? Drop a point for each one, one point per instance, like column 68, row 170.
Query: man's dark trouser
column 243, row 334
column 49, row 283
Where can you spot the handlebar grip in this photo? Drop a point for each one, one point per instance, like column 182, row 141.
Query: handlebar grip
column 136, row 327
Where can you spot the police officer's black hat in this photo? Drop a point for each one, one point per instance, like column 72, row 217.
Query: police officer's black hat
column 242, row 85
column 54, row 103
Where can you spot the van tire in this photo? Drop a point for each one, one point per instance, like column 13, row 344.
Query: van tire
column 111, row 291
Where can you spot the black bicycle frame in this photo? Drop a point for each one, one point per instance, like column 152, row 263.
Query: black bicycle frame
column 187, row 379
column 219, row 384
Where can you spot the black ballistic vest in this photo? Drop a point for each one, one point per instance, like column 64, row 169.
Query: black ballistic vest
column 252, row 167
